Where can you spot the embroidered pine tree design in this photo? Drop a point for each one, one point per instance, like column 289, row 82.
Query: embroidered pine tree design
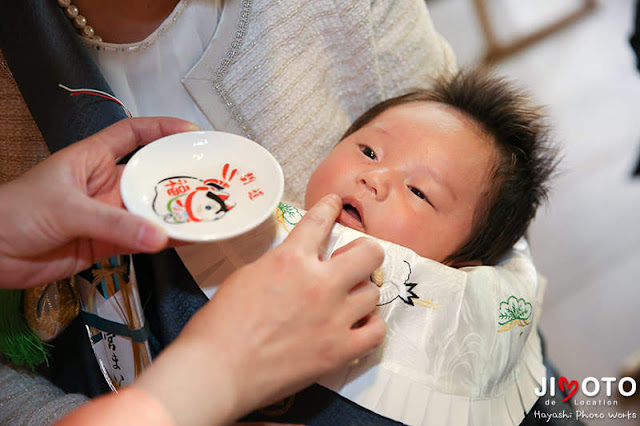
column 513, row 312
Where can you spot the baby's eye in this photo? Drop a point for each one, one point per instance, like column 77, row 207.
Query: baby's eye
column 419, row 194
column 368, row 152
column 208, row 207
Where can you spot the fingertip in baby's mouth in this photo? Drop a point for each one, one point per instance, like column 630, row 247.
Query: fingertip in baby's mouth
column 351, row 217
column 352, row 211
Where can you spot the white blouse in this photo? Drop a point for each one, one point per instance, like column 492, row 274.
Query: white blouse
column 147, row 75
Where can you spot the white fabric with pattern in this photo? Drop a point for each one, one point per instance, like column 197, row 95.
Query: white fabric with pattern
column 461, row 345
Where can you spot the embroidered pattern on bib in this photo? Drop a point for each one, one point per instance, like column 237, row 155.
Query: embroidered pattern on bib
column 409, row 296
column 288, row 216
column 513, row 312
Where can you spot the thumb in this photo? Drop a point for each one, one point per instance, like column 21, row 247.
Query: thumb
column 108, row 224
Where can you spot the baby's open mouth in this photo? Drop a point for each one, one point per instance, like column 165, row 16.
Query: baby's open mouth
column 351, row 217
column 352, row 211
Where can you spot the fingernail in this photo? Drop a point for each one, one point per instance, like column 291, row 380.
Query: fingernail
column 192, row 127
column 151, row 238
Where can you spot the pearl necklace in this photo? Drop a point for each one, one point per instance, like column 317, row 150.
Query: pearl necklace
column 79, row 21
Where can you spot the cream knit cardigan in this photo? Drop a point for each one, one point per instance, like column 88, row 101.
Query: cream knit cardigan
column 293, row 75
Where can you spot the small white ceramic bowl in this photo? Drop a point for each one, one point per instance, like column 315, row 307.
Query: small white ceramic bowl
column 203, row 186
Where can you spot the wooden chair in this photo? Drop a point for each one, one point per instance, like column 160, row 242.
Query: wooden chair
column 497, row 49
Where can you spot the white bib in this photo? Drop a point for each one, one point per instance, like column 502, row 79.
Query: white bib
column 461, row 344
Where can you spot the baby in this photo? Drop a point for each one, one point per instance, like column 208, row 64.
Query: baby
column 446, row 178
column 454, row 173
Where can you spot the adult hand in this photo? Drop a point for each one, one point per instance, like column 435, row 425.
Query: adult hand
column 66, row 213
column 273, row 327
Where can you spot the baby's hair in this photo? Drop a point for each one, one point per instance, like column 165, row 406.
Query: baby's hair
column 525, row 163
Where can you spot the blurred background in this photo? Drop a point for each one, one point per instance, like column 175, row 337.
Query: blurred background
column 587, row 240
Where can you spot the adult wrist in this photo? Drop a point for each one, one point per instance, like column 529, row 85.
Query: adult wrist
column 193, row 384
column 129, row 406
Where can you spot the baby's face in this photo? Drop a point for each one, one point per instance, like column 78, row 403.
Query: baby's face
column 413, row 176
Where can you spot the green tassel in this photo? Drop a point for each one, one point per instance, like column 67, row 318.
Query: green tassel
column 17, row 342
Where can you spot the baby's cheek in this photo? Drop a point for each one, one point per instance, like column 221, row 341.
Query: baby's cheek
column 319, row 185
column 394, row 228
column 409, row 233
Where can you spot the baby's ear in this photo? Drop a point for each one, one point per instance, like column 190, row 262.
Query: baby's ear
column 467, row 263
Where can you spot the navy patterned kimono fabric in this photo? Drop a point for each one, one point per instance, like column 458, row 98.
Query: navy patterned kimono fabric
column 43, row 50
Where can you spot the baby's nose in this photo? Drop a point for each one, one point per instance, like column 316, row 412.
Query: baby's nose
column 377, row 182
column 370, row 187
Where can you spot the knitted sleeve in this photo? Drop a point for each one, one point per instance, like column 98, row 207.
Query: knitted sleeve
column 409, row 51
column 27, row 398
